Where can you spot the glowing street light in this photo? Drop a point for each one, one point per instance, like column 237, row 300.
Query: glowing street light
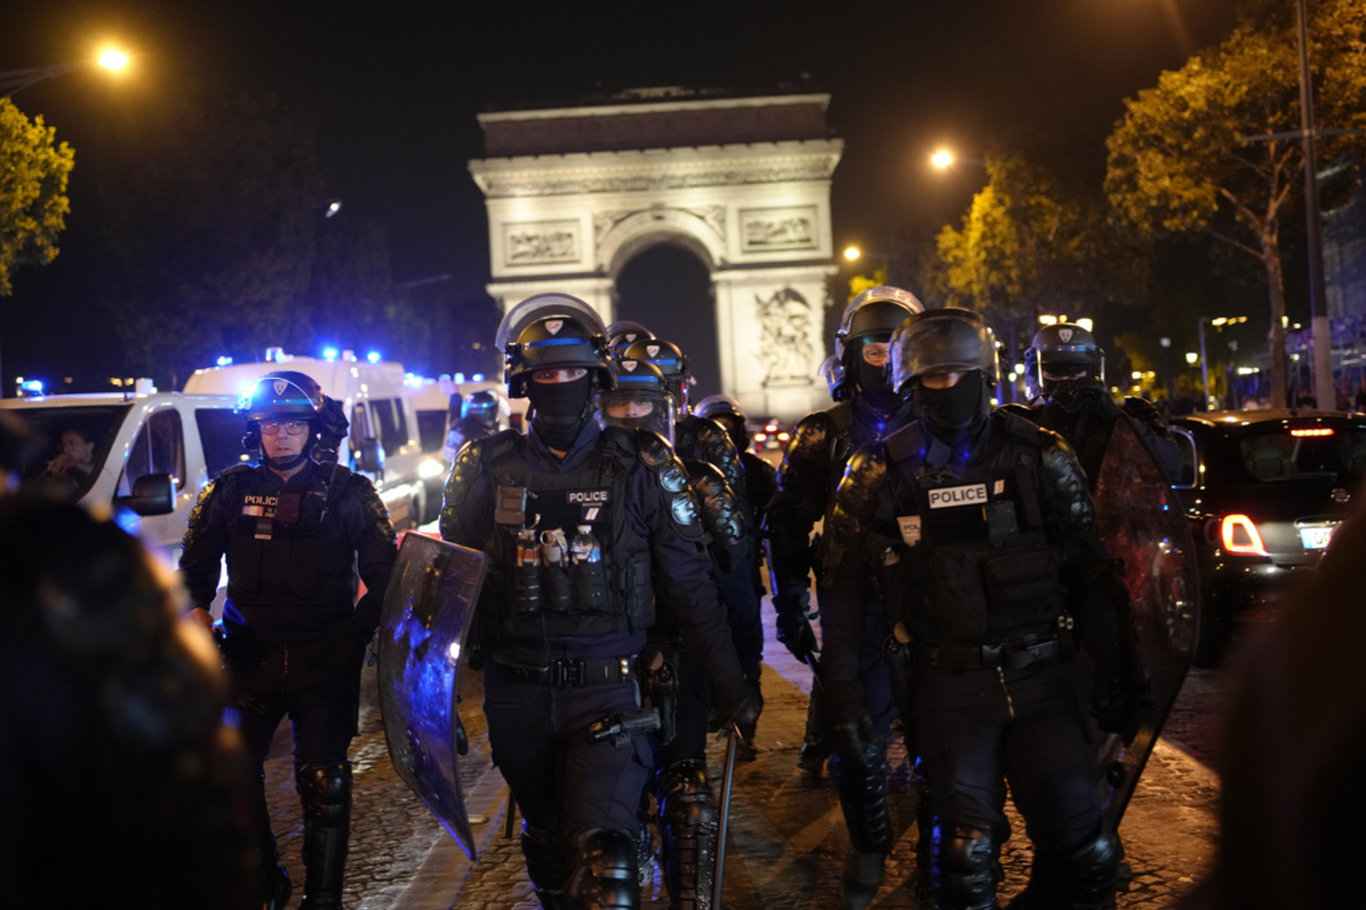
column 14, row 81
column 944, row 158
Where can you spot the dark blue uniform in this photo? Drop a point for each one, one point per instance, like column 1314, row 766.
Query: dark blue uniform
column 295, row 634
column 562, row 687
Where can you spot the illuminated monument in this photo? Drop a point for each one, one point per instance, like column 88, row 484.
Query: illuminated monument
column 742, row 183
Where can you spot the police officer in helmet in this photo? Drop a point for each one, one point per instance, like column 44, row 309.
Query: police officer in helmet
column 978, row 526
column 855, row 733
column 294, row 532
column 1065, row 384
column 559, row 634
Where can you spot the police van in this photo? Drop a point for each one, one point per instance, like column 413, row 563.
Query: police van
column 383, row 440
column 144, row 454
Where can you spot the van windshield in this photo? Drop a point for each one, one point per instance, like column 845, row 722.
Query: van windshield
column 73, row 445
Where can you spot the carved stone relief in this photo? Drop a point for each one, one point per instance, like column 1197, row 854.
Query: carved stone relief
column 540, row 242
column 786, row 346
column 786, row 228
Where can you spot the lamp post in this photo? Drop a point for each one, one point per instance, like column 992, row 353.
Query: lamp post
column 1217, row 322
column 1322, row 330
column 1167, row 365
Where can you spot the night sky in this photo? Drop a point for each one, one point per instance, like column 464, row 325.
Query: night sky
column 392, row 91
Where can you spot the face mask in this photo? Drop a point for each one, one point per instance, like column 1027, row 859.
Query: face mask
column 958, row 408
column 560, row 410
column 1082, row 395
column 872, row 381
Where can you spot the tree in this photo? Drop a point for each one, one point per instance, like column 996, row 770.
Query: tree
column 1215, row 147
column 1027, row 246
column 214, row 215
column 33, row 201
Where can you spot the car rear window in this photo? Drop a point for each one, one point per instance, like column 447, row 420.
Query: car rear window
column 1306, row 453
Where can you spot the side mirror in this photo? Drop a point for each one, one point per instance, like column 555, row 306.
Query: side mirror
column 153, row 494
column 369, row 457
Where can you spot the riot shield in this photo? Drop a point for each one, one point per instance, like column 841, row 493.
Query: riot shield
column 427, row 610
column 1141, row 520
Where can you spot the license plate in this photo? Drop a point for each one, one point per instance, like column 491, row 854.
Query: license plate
column 1316, row 537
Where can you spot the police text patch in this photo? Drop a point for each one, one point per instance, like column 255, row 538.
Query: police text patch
column 948, row 497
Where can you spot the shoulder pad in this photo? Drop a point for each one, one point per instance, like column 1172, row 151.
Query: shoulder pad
column 721, row 514
column 654, row 452
column 1069, row 480
column 1019, row 410
column 1021, row 429
column 867, row 467
column 812, row 431
column 497, row 445
column 469, row 464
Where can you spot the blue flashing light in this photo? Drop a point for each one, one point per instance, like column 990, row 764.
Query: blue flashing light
column 373, row 357
column 33, row 386
column 459, row 378
column 477, row 377
column 225, row 361
column 329, row 354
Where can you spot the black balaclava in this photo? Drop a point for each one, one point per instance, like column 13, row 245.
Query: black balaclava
column 960, row 409
column 873, row 382
column 560, row 410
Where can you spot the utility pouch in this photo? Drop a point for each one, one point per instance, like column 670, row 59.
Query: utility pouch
column 958, row 600
column 1024, row 580
column 588, row 583
column 662, row 694
column 526, row 589
column 510, row 506
column 555, row 589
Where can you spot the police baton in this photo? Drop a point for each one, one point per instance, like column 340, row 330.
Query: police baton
column 727, row 780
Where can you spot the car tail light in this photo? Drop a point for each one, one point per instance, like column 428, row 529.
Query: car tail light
column 1313, row 431
column 1239, row 535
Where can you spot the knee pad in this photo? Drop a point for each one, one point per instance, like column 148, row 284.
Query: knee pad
column 689, row 823
column 604, row 873
column 1084, row 877
column 963, row 867
column 545, row 860
column 325, row 791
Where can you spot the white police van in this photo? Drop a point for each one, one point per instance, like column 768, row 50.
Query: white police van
column 151, row 453
column 383, row 441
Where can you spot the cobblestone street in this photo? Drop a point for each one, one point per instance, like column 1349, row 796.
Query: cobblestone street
column 787, row 840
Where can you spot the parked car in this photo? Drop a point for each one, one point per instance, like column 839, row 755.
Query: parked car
column 1263, row 491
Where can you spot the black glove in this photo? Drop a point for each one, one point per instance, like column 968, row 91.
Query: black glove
column 740, row 704
column 1122, row 706
column 796, row 634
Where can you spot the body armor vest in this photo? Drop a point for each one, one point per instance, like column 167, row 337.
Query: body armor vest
column 284, row 550
column 975, row 558
column 543, row 591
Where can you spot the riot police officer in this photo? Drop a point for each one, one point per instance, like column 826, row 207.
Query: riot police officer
column 978, row 526
column 1065, row 384
column 865, row 409
column 479, row 418
column 760, row 477
column 559, row 636
column 294, row 532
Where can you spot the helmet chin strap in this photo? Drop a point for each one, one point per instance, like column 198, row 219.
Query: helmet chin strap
column 284, row 464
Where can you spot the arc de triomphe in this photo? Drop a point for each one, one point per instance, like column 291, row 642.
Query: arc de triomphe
column 743, row 183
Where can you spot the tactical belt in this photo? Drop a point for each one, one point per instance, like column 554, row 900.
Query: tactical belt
column 568, row 672
column 1015, row 654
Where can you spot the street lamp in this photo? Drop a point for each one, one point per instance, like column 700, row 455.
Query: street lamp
column 14, row 81
column 944, row 158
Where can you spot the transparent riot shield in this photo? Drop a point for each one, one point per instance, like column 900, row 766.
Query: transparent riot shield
column 1141, row 520
column 427, row 611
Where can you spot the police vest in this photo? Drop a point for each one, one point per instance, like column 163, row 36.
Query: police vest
column 283, row 547
column 978, row 565
column 541, row 592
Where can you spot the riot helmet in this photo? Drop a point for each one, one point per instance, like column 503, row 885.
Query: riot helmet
column 622, row 334
column 560, row 335
column 641, row 399
column 946, row 340
column 727, row 412
column 670, row 360
column 282, row 399
column 870, row 318
column 832, row 371
column 1063, row 355
column 482, row 406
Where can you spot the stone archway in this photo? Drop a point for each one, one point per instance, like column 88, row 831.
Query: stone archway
column 574, row 193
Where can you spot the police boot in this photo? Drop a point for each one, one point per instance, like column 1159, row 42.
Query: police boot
column 278, row 887
column 689, row 825
column 546, row 867
column 325, row 790
column 861, row 878
column 815, row 747
column 604, row 871
column 1080, row 879
column 965, row 867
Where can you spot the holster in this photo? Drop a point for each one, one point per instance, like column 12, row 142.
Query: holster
column 661, row 691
